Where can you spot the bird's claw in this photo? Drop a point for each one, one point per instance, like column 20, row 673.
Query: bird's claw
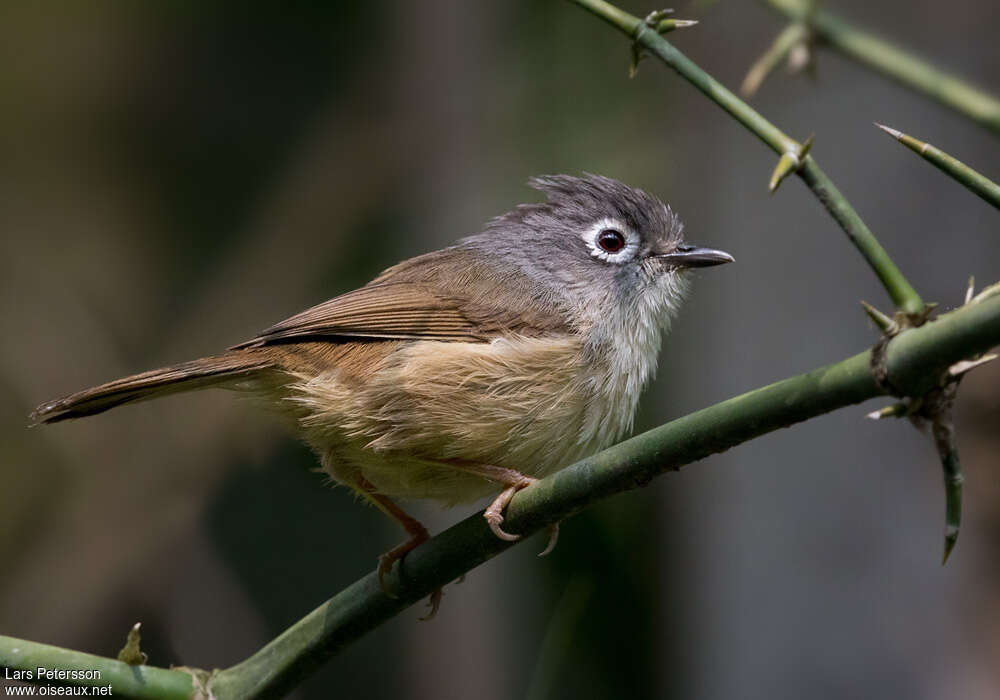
column 433, row 602
column 385, row 562
column 494, row 516
column 493, row 519
column 553, row 539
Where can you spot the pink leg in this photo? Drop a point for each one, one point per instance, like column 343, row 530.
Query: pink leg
column 418, row 535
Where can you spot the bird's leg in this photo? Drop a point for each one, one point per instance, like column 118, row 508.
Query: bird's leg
column 418, row 535
column 514, row 481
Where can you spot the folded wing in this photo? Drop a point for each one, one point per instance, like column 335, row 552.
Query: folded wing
column 413, row 301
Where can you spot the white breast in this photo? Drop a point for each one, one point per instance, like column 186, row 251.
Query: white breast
column 626, row 349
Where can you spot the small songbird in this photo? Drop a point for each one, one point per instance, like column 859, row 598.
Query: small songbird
column 469, row 370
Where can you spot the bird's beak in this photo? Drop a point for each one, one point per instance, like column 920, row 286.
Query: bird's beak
column 693, row 256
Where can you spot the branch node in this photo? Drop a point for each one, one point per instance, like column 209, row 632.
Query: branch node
column 201, row 681
column 790, row 162
column 935, row 409
column 660, row 22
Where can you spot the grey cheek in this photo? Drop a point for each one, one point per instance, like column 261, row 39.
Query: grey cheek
column 630, row 274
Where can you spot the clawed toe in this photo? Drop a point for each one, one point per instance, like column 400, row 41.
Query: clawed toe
column 395, row 554
column 494, row 514
column 494, row 520
column 553, row 539
column 385, row 563
column 433, row 602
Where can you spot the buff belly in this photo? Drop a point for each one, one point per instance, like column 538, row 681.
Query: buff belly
column 521, row 403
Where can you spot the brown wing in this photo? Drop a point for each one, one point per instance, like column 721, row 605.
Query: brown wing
column 409, row 301
column 388, row 310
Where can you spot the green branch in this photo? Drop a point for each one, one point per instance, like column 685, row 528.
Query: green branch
column 976, row 182
column 793, row 154
column 125, row 680
column 903, row 67
column 916, row 360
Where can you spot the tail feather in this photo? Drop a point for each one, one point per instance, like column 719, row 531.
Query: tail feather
column 187, row 376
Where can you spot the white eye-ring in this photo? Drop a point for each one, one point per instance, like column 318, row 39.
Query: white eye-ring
column 611, row 240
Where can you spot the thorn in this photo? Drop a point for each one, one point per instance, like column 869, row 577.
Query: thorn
column 669, row 25
column 914, row 144
column 963, row 366
column 656, row 21
column 787, row 164
column 885, row 323
column 953, row 505
column 988, row 292
column 131, row 654
column 889, row 130
column 950, row 539
column 790, row 162
column 943, row 430
column 896, row 410
column 970, row 290
column 553, row 539
column 656, row 15
column 807, row 146
column 637, row 56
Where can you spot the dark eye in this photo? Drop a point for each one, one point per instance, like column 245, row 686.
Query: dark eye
column 611, row 240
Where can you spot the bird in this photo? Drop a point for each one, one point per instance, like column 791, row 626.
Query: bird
column 469, row 371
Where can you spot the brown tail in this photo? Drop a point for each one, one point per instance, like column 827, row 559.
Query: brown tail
column 196, row 374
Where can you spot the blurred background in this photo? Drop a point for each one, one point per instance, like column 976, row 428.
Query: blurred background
column 177, row 176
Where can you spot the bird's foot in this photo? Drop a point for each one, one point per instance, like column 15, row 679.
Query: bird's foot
column 395, row 554
column 494, row 514
column 386, row 561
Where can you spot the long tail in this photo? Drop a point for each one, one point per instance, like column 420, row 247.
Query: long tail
column 187, row 376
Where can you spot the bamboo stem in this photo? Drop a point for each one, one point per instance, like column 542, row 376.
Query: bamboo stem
column 147, row 682
column 981, row 185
